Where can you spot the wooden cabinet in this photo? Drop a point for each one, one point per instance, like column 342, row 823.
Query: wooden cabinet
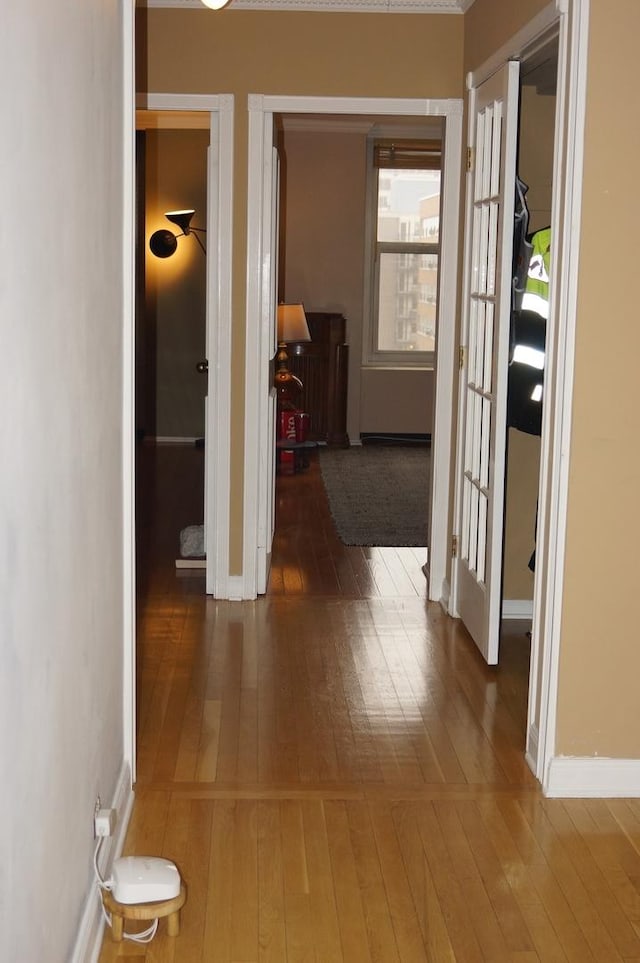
column 322, row 365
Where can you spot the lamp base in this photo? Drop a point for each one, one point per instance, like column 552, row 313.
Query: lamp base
column 285, row 382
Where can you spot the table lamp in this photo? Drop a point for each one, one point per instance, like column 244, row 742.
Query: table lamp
column 292, row 326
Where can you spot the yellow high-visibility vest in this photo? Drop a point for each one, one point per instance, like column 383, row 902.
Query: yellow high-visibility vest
column 536, row 291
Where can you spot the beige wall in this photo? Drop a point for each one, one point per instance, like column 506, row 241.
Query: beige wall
column 242, row 52
column 535, row 159
column 523, row 473
column 66, row 614
column 600, row 656
column 175, row 296
column 397, row 401
column 488, row 24
column 322, row 233
column 322, row 264
column 276, row 52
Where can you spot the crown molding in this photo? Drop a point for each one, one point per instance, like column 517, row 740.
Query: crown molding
column 326, row 6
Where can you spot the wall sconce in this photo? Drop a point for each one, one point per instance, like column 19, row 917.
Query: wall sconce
column 163, row 243
column 292, row 326
column 215, row 4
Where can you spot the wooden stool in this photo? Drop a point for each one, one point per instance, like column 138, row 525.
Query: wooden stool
column 145, row 911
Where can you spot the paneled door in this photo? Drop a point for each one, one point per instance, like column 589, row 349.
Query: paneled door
column 493, row 123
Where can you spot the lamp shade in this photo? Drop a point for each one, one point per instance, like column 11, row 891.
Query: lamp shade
column 181, row 218
column 292, row 323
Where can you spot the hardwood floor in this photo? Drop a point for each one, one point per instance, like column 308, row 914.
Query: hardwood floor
column 338, row 775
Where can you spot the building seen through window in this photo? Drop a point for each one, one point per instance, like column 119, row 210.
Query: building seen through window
column 408, row 218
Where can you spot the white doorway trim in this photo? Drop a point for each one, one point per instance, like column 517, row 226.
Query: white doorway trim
column 128, row 393
column 219, row 254
column 256, row 487
column 556, row 433
column 445, row 353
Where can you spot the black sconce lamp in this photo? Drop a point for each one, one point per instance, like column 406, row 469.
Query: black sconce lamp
column 163, row 243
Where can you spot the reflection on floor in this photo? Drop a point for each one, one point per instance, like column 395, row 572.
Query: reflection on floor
column 337, row 773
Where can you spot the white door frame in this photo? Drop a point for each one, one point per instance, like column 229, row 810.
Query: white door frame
column 218, row 321
column 128, row 391
column 571, row 18
column 256, row 487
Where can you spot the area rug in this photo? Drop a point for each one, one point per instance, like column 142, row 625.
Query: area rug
column 378, row 495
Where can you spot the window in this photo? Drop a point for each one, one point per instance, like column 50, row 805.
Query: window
column 403, row 252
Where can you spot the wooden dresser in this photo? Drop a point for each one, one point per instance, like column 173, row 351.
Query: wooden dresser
column 322, row 365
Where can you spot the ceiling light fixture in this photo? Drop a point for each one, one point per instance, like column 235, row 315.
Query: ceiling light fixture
column 215, row 4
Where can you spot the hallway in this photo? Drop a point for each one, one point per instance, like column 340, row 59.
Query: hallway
column 339, row 776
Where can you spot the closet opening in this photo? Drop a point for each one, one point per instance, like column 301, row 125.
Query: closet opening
column 525, row 393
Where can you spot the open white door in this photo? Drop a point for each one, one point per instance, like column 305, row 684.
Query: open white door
column 203, row 368
column 218, row 347
column 267, row 494
column 493, row 122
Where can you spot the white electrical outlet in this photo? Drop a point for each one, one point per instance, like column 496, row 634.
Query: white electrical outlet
column 104, row 822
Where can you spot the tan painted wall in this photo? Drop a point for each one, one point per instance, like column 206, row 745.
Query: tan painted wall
column 537, row 120
column 600, row 657
column 322, row 233
column 176, row 178
column 251, row 51
column 523, row 472
column 397, row 401
column 322, row 263
column 488, row 24
column 271, row 52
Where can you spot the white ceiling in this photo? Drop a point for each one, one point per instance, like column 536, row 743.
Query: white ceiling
column 335, row 6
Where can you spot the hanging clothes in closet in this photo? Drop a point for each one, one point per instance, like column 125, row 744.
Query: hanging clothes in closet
column 528, row 329
column 528, row 333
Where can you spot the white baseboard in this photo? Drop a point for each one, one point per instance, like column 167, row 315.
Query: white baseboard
column 235, row 589
column 445, row 596
column 519, row 609
column 174, row 440
column 191, row 563
column 89, row 940
column 592, row 777
column 531, row 752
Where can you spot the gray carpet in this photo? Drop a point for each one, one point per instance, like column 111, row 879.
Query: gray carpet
column 378, row 495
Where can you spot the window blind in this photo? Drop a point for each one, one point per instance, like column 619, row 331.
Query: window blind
column 409, row 155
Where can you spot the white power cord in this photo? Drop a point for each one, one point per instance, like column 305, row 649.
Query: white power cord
column 106, row 884
column 102, row 883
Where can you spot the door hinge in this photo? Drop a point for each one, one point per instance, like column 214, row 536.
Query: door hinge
column 461, row 356
column 470, row 158
column 454, row 546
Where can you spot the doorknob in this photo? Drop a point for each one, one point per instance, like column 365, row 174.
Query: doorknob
column 202, row 367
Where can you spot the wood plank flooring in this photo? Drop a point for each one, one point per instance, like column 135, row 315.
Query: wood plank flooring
column 338, row 775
